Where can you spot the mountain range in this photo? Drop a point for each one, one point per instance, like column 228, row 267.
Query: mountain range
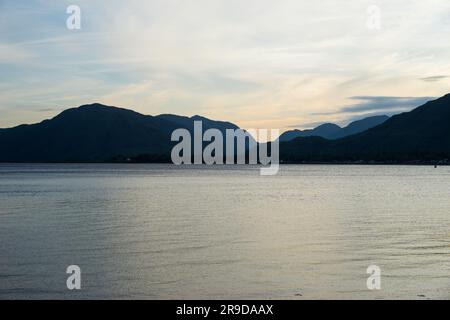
column 99, row 133
column 420, row 135
column 332, row 131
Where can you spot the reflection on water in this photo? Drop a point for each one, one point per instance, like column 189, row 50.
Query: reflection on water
column 159, row 231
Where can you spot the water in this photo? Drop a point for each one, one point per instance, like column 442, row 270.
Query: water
column 164, row 232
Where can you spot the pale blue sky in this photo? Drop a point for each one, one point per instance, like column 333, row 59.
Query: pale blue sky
column 258, row 63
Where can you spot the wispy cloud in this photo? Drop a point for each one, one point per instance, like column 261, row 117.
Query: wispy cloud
column 268, row 64
column 382, row 103
column 14, row 54
column 434, row 78
column 45, row 110
column 377, row 104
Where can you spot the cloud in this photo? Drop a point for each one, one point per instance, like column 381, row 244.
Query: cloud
column 266, row 65
column 45, row 109
column 434, row 78
column 13, row 54
column 384, row 103
column 377, row 104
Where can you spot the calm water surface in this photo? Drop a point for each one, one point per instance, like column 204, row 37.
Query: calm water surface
column 165, row 232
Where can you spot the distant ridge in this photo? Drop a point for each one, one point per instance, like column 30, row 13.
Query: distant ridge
column 422, row 134
column 332, row 131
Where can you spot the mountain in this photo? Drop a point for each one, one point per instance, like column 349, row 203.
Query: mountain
column 332, row 131
column 96, row 133
column 360, row 126
column 419, row 135
column 326, row 130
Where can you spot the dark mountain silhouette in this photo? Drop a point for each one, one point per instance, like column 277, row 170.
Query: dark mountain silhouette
column 360, row 126
column 332, row 131
column 326, row 130
column 420, row 135
column 96, row 133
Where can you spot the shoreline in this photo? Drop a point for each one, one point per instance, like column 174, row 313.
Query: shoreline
column 346, row 163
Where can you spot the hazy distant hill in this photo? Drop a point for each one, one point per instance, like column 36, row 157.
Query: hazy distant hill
column 422, row 134
column 326, row 130
column 333, row 131
column 95, row 133
column 360, row 126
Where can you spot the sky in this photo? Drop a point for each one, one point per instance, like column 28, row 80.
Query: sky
column 277, row 64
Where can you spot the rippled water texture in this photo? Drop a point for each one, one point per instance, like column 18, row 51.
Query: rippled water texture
column 165, row 232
